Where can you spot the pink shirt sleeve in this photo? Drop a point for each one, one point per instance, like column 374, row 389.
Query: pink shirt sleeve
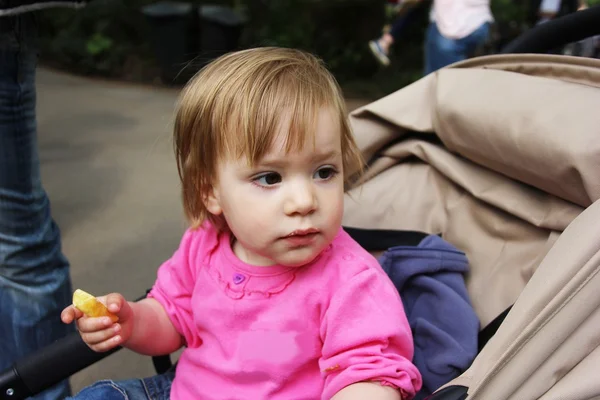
column 366, row 337
column 174, row 286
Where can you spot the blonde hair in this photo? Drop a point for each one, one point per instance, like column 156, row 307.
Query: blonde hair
column 233, row 108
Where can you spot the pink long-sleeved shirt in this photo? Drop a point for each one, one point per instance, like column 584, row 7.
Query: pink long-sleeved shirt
column 283, row 333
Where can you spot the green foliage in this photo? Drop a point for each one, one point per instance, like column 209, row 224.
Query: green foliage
column 99, row 39
column 510, row 10
column 98, row 44
column 108, row 36
column 114, row 38
column 336, row 30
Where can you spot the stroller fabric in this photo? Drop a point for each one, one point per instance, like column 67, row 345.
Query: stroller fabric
column 501, row 155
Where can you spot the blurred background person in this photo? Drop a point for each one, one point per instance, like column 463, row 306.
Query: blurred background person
column 381, row 46
column 456, row 29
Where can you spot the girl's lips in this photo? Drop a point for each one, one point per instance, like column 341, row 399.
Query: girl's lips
column 302, row 232
column 299, row 240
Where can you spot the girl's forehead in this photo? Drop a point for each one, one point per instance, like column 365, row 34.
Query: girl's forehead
column 321, row 141
column 324, row 131
column 289, row 133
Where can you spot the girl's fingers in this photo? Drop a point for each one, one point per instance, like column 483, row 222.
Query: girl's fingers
column 106, row 345
column 114, row 302
column 70, row 314
column 98, row 337
column 90, row 325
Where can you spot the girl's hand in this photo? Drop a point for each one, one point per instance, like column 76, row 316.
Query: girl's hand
column 101, row 334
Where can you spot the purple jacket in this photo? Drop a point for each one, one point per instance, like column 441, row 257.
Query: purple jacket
column 430, row 279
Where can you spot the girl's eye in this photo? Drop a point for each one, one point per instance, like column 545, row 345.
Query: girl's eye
column 268, row 179
column 325, row 173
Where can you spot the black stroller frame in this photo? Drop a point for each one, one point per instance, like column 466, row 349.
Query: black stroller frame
column 63, row 358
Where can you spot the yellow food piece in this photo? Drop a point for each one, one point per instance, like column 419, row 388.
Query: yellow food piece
column 90, row 306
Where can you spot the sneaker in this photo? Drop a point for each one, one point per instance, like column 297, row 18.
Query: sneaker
column 379, row 53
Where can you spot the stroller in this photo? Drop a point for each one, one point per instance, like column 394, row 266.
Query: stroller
column 471, row 152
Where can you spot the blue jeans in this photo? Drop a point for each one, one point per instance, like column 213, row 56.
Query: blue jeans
column 441, row 51
column 154, row 388
column 34, row 275
column 403, row 20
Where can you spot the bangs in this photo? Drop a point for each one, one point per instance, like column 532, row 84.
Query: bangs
column 286, row 101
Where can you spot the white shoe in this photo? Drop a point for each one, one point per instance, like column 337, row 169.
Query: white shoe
column 379, row 53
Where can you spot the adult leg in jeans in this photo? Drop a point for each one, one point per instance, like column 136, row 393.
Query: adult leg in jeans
column 441, row 51
column 34, row 274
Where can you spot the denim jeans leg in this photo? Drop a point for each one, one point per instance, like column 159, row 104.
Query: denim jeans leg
column 441, row 51
column 477, row 38
column 34, row 275
column 132, row 389
column 156, row 387
column 403, row 20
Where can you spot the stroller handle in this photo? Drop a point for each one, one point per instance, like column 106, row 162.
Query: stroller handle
column 556, row 33
column 46, row 367
column 58, row 361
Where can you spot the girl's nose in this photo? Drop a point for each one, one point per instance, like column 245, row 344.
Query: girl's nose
column 301, row 199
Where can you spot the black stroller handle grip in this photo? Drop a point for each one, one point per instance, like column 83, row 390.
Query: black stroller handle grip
column 52, row 364
column 556, row 33
column 56, row 362
column 454, row 392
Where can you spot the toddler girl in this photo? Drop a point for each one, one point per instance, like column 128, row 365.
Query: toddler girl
column 269, row 296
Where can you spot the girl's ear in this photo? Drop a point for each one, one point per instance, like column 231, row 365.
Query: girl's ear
column 213, row 203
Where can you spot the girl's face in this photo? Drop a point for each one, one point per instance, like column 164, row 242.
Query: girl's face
column 288, row 208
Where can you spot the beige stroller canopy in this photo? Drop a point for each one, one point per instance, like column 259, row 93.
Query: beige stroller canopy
column 501, row 155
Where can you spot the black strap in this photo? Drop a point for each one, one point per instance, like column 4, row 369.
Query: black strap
column 490, row 330
column 383, row 239
column 558, row 32
column 162, row 363
column 454, row 392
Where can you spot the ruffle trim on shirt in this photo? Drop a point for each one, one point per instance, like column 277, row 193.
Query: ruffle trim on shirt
column 238, row 291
